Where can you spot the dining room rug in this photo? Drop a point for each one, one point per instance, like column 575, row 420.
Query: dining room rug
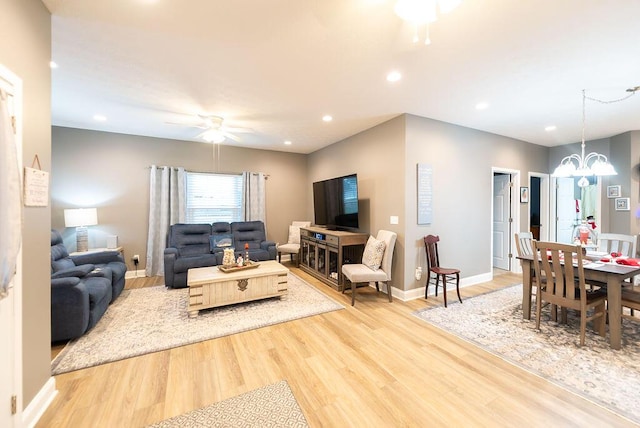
column 152, row 319
column 493, row 321
column 271, row 406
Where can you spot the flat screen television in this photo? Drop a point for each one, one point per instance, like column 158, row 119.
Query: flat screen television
column 335, row 202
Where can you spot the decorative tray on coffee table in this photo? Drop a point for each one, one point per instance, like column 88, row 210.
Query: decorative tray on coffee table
column 235, row 268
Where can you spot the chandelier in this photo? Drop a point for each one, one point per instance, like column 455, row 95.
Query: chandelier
column 583, row 166
column 423, row 12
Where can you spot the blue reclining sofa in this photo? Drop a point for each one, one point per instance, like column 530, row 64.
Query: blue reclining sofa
column 82, row 287
column 201, row 245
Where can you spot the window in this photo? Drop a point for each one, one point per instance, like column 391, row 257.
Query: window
column 213, row 197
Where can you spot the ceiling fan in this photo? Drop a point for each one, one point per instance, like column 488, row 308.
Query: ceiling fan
column 213, row 129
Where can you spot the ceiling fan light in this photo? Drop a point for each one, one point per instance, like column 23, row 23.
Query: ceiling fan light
column 418, row 11
column 213, row 136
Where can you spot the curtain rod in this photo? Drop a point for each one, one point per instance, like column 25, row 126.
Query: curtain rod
column 206, row 172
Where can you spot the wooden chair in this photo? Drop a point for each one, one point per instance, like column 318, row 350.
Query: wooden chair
column 524, row 247
column 614, row 242
column 433, row 266
column 565, row 285
column 358, row 273
column 630, row 299
column 626, row 245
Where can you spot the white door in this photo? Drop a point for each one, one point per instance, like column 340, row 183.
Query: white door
column 565, row 209
column 501, row 220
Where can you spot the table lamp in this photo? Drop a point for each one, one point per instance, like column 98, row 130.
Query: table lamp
column 80, row 218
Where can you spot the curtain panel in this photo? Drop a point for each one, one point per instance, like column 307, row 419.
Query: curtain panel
column 166, row 207
column 253, row 198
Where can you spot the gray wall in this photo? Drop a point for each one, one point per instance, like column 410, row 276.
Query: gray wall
column 462, row 161
column 377, row 156
column 111, row 172
column 385, row 158
column 25, row 49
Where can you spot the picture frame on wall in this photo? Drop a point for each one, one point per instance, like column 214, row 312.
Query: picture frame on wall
column 622, row 204
column 614, row 191
column 524, row 195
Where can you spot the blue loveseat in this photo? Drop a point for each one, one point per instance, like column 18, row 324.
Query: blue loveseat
column 82, row 287
column 201, row 245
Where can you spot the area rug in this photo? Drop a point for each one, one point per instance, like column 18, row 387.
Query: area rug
column 153, row 319
column 494, row 322
column 270, row 406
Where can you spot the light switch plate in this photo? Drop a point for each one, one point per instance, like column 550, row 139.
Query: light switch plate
column 393, row 219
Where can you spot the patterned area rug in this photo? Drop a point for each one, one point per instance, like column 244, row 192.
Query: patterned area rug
column 271, row 406
column 494, row 322
column 153, row 319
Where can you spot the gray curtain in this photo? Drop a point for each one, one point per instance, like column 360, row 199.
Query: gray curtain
column 253, row 197
column 166, row 207
column 10, row 199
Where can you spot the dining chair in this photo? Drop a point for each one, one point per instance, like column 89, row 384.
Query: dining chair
column 625, row 245
column 565, row 285
column 292, row 247
column 376, row 264
column 433, row 267
column 524, row 247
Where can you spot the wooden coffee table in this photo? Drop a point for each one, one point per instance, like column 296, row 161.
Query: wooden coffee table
column 209, row 287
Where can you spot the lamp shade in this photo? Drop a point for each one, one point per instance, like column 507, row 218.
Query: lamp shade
column 77, row 217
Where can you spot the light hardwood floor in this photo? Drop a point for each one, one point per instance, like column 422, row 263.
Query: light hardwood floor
column 372, row 365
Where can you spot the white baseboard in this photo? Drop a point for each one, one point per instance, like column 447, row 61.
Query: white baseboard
column 135, row 274
column 418, row 293
column 36, row 408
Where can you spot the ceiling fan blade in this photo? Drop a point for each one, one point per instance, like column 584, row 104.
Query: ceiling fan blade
column 189, row 125
column 232, row 137
column 232, row 129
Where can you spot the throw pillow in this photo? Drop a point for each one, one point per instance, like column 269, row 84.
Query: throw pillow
column 294, row 235
column 223, row 240
column 373, row 253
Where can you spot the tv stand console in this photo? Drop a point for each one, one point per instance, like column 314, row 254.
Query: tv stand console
column 324, row 251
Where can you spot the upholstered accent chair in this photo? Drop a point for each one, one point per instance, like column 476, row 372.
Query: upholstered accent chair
column 376, row 264
column 292, row 247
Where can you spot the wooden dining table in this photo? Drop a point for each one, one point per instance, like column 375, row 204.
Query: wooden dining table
column 612, row 274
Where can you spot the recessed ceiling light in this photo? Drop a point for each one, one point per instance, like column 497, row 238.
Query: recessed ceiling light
column 99, row 117
column 53, row 64
column 327, row 118
column 550, row 128
column 287, row 143
column 482, row 106
column 394, row 76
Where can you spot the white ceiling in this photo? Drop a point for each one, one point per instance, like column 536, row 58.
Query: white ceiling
column 278, row 66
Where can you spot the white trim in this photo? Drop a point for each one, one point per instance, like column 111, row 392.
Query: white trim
column 515, row 215
column 418, row 293
column 12, row 84
column 130, row 274
column 40, row 403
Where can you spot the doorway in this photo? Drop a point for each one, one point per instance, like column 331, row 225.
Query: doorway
column 539, row 218
column 504, row 217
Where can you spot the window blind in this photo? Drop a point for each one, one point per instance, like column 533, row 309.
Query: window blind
column 213, row 197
